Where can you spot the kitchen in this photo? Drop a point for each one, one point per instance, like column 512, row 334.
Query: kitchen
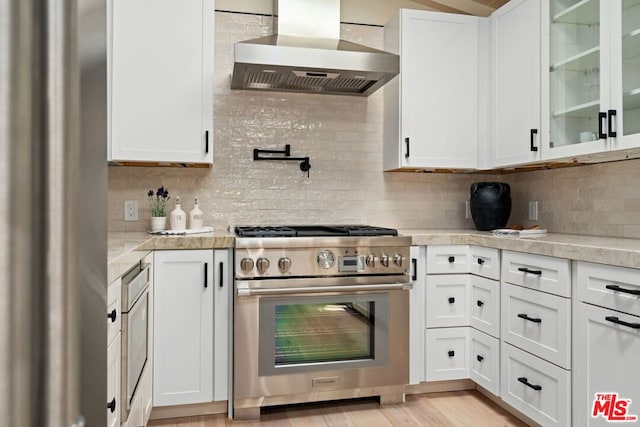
column 343, row 138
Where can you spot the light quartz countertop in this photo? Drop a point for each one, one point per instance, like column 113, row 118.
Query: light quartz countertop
column 605, row 250
column 126, row 249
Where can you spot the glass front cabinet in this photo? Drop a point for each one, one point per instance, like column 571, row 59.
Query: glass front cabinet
column 593, row 70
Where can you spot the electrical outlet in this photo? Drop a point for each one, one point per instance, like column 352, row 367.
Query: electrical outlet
column 130, row 210
column 467, row 210
column 533, row 211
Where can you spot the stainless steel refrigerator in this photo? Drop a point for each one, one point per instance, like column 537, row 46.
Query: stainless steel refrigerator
column 53, row 227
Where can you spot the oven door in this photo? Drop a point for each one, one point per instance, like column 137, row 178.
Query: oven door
column 301, row 338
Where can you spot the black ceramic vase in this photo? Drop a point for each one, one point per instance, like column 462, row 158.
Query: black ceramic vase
column 490, row 205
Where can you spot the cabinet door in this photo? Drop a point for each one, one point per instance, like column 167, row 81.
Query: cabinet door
column 161, row 91
column 516, row 96
column 447, row 352
column 439, row 90
column 222, row 320
column 625, row 72
column 576, row 91
column 416, row 315
column 183, row 327
column 113, row 382
column 484, row 305
column 605, row 361
column 484, row 366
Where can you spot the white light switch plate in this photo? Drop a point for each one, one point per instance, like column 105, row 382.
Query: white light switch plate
column 533, row 211
column 130, row 210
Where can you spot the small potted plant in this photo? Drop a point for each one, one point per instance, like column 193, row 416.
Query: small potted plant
column 158, row 203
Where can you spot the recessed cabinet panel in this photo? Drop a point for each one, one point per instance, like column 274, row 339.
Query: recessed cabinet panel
column 485, row 262
column 161, row 81
column 431, row 109
column 537, row 388
column 448, row 259
column 537, row 322
column 516, row 83
column 447, row 300
column 485, row 305
column 605, row 361
column 542, row 273
column 485, row 361
column 447, row 351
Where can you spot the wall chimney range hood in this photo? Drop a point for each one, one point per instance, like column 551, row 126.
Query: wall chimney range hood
column 307, row 55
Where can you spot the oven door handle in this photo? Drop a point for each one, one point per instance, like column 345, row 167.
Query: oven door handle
column 247, row 292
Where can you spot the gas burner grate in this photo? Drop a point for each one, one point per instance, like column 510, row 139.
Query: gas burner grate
column 313, row 231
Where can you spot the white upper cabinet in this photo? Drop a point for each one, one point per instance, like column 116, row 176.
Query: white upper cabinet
column 431, row 108
column 161, row 81
column 515, row 40
column 592, row 77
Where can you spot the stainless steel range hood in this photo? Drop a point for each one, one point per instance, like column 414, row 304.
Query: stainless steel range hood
column 306, row 55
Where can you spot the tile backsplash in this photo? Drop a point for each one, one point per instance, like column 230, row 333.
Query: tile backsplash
column 343, row 137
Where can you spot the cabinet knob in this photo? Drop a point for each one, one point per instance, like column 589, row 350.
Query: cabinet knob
column 479, row 303
column 112, row 405
column 480, row 261
column 113, row 315
column 479, row 358
column 451, row 259
column 451, row 353
column 452, row 300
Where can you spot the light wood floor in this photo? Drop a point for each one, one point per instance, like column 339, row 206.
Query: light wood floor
column 451, row 409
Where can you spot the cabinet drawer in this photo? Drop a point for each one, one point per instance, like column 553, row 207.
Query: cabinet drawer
column 447, row 300
column 113, row 309
column 543, row 273
column 443, row 259
column 537, row 322
column 113, row 382
column 485, row 361
column 447, row 353
column 617, row 288
column 485, row 262
column 537, row 388
column 484, row 305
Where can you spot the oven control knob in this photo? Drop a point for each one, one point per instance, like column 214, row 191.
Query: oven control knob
column 326, row 259
column 262, row 264
column 284, row 264
column 372, row 260
column 246, row 265
column 384, row 260
column 398, row 260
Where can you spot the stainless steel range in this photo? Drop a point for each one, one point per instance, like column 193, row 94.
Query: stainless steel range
column 321, row 313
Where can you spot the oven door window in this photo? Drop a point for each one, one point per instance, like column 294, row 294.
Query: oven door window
column 306, row 334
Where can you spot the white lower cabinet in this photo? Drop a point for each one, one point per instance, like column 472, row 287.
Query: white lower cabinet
column 606, row 346
column 113, row 383
column 535, row 387
column 447, row 301
column 417, row 315
column 191, row 309
column 447, row 353
column 485, row 360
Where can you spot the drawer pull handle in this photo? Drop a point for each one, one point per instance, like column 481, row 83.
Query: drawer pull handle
column 524, row 381
column 451, row 353
column 626, row 291
column 526, row 270
column 530, row 319
column 452, row 300
column 451, row 259
column 480, row 358
column 113, row 315
column 206, row 275
column 480, row 261
column 112, row 405
column 479, row 303
column 614, row 319
column 414, row 266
